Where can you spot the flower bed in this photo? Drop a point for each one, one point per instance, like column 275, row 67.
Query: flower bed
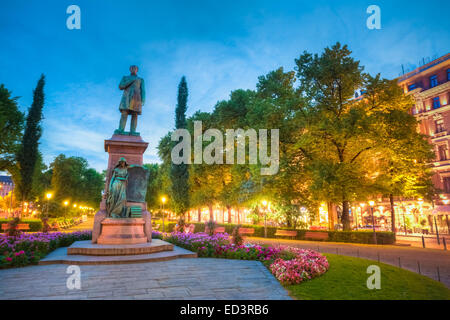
column 29, row 248
column 306, row 265
column 289, row 265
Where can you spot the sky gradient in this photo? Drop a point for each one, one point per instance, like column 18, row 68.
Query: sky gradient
column 219, row 46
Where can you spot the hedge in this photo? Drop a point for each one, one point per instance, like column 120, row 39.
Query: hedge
column 365, row 237
column 35, row 224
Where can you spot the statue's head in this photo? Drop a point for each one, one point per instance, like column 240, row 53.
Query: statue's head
column 122, row 162
column 133, row 70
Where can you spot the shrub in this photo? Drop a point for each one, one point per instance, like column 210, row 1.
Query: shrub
column 237, row 239
column 210, row 226
column 34, row 224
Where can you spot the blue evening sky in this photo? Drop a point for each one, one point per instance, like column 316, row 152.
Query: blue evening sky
column 219, row 46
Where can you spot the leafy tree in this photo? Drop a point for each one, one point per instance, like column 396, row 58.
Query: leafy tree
column 73, row 180
column 337, row 130
column 11, row 125
column 154, row 187
column 179, row 173
column 405, row 154
column 28, row 152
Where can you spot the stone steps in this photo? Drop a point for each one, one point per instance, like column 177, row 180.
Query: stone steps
column 61, row 256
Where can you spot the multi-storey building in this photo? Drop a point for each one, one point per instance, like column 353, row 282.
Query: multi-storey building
column 6, row 185
column 430, row 87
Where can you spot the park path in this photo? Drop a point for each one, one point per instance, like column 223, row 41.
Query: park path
column 87, row 225
column 189, row 278
column 433, row 263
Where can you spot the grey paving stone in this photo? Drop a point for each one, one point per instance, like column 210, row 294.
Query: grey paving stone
column 199, row 279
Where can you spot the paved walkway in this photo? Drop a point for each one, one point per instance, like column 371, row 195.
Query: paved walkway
column 430, row 241
column 177, row 279
column 405, row 257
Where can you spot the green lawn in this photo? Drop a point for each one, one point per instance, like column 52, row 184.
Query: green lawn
column 346, row 280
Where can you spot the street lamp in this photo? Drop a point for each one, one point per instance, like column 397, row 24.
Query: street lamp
column 48, row 196
column 163, row 201
column 66, row 203
column 264, row 203
column 371, row 203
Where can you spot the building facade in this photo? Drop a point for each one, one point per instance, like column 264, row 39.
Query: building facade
column 6, row 186
column 430, row 87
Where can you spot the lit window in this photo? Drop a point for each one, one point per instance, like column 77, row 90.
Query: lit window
column 436, row 103
column 442, row 150
column 433, row 81
column 439, row 125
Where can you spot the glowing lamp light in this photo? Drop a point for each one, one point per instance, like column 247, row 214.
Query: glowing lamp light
column 362, row 205
column 264, row 202
column 75, row 205
column 48, row 195
column 66, row 203
column 371, row 203
column 163, row 199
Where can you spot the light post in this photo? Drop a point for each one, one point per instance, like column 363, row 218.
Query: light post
column 163, row 201
column 264, row 202
column 371, row 203
column 66, row 203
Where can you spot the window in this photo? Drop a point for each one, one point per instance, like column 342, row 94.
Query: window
column 412, row 87
column 436, row 103
column 433, row 81
column 439, row 125
column 442, row 150
column 446, row 184
column 448, row 74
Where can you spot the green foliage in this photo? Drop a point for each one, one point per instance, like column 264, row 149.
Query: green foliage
column 34, row 224
column 365, row 237
column 236, row 237
column 28, row 152
column 179, row 174
column 73, row 180
column 210, row 226
column 11, row 125
column 333, row 148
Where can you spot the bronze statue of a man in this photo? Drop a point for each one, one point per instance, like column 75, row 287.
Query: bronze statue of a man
column 132, row 100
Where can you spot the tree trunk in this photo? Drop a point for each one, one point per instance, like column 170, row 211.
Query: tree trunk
column 189, row 216
column 331, row 222
column 345, row 216
column 239, row 216
column 391, row 199
column 199, row 214
column 211, row 213
column 229, row 214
